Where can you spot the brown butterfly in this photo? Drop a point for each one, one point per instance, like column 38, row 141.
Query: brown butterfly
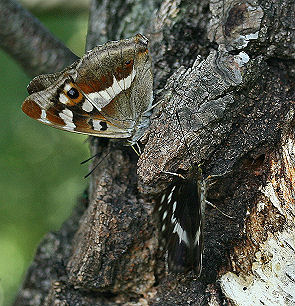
column 107, row 93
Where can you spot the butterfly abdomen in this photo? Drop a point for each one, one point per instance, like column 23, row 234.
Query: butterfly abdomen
column 180, row 212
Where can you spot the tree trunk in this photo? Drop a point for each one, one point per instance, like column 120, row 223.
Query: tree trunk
column 227, row 67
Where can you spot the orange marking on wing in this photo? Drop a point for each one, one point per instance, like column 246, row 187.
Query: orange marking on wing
column 75, row 101
column 71, row 102
column 123, row 72
column 32, row 109
column 96, row 85
column 98, row 117
column 82, row 123
column 52, row 116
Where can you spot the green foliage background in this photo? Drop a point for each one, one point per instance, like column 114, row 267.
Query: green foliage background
column 40, row 175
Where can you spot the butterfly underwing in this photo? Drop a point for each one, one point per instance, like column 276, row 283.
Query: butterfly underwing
column 107, row 93
column 180, row 212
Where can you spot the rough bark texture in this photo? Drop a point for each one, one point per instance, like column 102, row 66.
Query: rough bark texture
column 227, row 67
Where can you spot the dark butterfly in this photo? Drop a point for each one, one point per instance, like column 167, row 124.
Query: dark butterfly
column 180, row 210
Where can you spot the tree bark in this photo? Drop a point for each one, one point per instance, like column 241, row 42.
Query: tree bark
column 227, row 67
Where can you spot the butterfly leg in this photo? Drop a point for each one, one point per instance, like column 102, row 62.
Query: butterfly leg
column 174, row 174
column 134, row 149
column 214, row 206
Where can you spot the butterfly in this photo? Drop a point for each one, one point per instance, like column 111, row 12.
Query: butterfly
column 107, row 93
column 180, row 212
column 180, row 215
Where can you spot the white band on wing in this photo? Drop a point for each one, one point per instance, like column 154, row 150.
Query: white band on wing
column 102, row 98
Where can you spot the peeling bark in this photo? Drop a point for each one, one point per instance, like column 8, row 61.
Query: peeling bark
column 227, row 68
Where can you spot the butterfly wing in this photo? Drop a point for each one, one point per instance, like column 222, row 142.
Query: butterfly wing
column 63, row 105
column 119, row 83
column 180, row 212
column 98, row 95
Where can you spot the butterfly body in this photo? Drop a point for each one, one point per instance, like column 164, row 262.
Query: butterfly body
column 107, row 93
column 180, row 210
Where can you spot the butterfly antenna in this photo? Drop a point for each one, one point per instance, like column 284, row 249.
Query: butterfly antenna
column 214, row 206
column 93, row 169
column 88, row 159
